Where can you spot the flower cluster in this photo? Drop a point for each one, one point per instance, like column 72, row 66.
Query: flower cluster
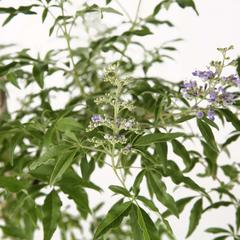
column 210, row 90
column 112, row 104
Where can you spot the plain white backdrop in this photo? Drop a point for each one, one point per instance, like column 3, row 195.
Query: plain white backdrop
column 216, row 26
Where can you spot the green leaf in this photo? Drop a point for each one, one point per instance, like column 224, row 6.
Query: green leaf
column 136, row 230
column 162, row 152
column 231, row 117
column 61, row 166
column 187, row 3
column 74, row 190
column 195, row 216
column 182, row 152
column 160, row 191
column 147, row 225
column 110, row 10
column 231, row 139
column 159, row 7
column 108, row 1
column 13, row 143
column 138, row 181
column 222, row 237
column 238, row 218
column 150, row 204
column 120, row 190
column 67, row 124
column 177, row 177
column 207, row 134
column 113, row 218
column 44, row 14
column 211, row 158
column 156, row 137
column 216, row 230
column 140, row 32
column 238, row 66
column 181, row 203
column 11, row 77
column 13, row 231
column 50, row 154
column 11, row 184
column 38, row 73
column 87, row 168
column 6, row 68
column 230, row 171
column 217, row 205
column 51, row 214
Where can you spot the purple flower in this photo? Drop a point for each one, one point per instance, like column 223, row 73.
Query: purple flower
column 211, row 114
column 189, row 85
column 96, row 118
column 213, row 96
column 228, row 98
column 205, row 75
column 235, row 79
column 200, row 114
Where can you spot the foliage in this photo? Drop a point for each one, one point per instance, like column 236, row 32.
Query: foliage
column 117, row 116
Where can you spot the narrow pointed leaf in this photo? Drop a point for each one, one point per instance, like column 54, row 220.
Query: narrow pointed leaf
column 195, row 216
column 61, row 166
column 207, row 134
column 51, row 214
column 113, row 218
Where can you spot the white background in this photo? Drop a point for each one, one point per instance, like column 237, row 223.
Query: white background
column 217, row 26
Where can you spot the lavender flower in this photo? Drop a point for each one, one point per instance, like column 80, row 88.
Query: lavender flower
column 200, row 114
column 96, row 118
column 189, row 85
column 211, row 114
column 213, row 96
column 235, row 79
column 228, row 98
column 205, row 75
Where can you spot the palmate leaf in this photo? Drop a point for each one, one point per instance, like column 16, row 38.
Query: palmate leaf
column 148, row 139
column 195, row 216
column 51, row 214
column 113, row 218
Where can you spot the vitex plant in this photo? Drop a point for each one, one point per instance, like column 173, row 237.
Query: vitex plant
column 118, row 116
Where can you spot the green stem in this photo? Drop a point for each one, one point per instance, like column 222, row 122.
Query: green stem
column 66, row 35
